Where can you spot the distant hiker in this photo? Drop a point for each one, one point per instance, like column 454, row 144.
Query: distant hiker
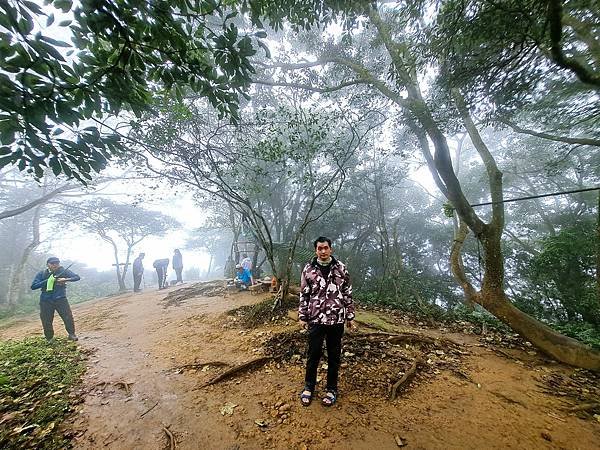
column 138, row 272
column 52, row 281
column 325, row 305
column 178, row 264
column 243, row 278
column 161, row 266
column 246, row 262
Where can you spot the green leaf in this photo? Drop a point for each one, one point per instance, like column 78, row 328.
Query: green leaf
column 33, row 7
column 26, row 24
column 55, row 165
column 63, row 5
column 55, row 42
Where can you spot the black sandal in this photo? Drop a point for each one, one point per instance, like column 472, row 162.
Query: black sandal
column 306, row 399
column 330, row 398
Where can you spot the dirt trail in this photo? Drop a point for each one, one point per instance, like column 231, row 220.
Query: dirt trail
column 135, row 392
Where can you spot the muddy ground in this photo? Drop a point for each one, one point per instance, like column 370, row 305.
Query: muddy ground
column 146, row 372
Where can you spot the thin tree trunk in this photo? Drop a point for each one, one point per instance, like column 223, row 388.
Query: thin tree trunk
column 15, row 285
column 209, row 265
column 598, row 251
column 117, row 266
column 126, row 266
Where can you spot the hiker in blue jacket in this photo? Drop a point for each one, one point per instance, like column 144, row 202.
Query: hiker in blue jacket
column 243, row 278
column 52, row 281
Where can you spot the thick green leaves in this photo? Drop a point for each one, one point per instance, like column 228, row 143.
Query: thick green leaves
column 127, row 51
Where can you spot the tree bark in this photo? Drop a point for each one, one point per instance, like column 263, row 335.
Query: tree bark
column 15, row 285
column 120, row 281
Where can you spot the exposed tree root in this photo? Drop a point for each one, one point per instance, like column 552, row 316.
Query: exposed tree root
column 507, row 399
column 124, row 385
column 503, row 353
column 403, row 338
column 172, row 440
column 584, row 407
column 250, row 365
column 411, row 338
column 203, row 289
column 199, row 365
column 406, row 379
column 463, row 375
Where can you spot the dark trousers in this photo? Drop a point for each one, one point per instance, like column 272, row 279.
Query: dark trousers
column 137, row 281
column 178, row 271
column 332, row 334
column 161, row 273
column 61, row 306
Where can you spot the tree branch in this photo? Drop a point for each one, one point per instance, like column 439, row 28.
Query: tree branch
column 312, row 88
column 552, row 137
column 554, row 16
column 15, row 212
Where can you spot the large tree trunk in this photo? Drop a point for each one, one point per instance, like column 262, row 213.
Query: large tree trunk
column 15, row 284
column 494, row 300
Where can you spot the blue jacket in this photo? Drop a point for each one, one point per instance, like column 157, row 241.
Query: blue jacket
column 245, row 277
column 60, row 290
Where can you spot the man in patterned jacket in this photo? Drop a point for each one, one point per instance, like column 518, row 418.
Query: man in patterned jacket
column 325, row 306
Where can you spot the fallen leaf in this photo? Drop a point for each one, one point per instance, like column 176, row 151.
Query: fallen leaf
column 227, row 409
column 261, row 423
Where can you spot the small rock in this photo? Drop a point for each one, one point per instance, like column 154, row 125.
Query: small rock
column 285, row 407
column 399, row 441
column 547, row 436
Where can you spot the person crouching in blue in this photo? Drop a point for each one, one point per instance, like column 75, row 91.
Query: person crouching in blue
column 52, row 281
column 243, row 278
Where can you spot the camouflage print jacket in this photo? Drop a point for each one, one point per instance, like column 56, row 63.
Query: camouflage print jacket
column 325, row 301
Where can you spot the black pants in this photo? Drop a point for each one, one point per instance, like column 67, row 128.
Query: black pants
column 332, row 334
column 161, row 273
column 61, row 306
column 137, row 281
column 178, row 271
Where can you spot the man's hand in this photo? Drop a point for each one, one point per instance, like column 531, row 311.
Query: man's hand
column 62, row 280
column 303, row 324
column 351, row 325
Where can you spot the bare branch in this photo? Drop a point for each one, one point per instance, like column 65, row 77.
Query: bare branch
column 552, row 137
